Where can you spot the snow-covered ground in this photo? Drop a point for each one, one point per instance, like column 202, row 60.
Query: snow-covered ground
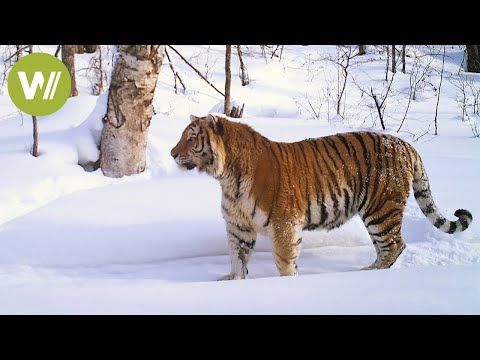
column 74, row 241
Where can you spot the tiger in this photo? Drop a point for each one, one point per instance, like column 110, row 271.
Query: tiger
column 279, row 189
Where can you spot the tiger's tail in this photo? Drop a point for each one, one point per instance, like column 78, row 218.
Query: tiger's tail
column 423, row 195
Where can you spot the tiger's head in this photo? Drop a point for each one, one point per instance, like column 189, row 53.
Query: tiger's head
column 201, row 146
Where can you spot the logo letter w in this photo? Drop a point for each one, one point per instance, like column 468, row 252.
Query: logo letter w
column 29, row 90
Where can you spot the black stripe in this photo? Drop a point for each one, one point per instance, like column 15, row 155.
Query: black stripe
column 347, row 202
column 306, row 174
column 252, row 215
column 336, row 212
column 274, row 198
column 318, row 157
column 453, row 227
column 421, row 193
column 268, row 218
column 316, row 182
column 429, row 209
column 330, row 171
column 328, row 154
column 348, row 175
column 323, row 212
column 249, row 244
column 226, row 210
column 440, row 222
column 321, row 192
column 463, row 212
column 367, row 178
column 345, row 142
column 382, row 218
column 391, row 243
column 463, row 222
column 367, row 160
column 228, row 197
column 236, row 236
column 299, row 241
column 334, row 147
column 333, row 195
column 333, row 179
column 378, row 171
column 240, row 227
column 199, row 151
column 384, row 232
column 239, row 180
column 364, row 147
column 308, row 212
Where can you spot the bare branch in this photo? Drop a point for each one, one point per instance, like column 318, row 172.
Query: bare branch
column 439, row 88
column 198, row 72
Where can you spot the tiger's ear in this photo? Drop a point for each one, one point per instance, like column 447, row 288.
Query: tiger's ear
column 215, row 124
column 193, row 118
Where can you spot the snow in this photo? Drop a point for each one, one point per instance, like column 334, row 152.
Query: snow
column 74, row 241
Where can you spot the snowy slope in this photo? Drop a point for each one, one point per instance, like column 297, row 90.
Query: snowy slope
column 73, row 241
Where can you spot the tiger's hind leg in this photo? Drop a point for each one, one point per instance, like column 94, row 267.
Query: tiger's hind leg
column 384, row 227
column 287, row 243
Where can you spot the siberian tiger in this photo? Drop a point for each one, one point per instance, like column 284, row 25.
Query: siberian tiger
column 279, row 189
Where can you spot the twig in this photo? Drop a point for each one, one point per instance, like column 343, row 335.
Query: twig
column 378, row 106
column 19, row 51
column 439, row 88
column 173, row 71
column 198, row 72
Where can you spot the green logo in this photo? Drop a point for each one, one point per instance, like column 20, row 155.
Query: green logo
column 39, row 84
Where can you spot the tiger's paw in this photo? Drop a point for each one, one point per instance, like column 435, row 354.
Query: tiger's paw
column 371, row 267
column 232, row 277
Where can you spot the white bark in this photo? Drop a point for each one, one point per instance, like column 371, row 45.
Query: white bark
column 129, row 110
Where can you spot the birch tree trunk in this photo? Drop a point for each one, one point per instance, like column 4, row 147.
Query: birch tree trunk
column 129, row 111
column 228, row 78
column 68, row 58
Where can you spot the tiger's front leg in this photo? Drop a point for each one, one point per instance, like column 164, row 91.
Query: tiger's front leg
column 241, row 241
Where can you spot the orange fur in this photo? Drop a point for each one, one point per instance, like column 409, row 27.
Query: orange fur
column 279, row 189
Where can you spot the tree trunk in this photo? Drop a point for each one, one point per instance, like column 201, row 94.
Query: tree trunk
column 228, row 79
column 129, row 111
column 361, row 50
column 68, row 58
column 82, row 49
column 35, row 136
column 243, row 70
column 473, row 58
column 404, row 48
column 19, row 52
column 90, row 49
column 394, row 61
column 388, row 62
